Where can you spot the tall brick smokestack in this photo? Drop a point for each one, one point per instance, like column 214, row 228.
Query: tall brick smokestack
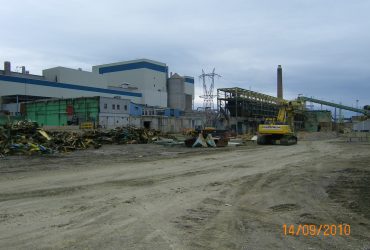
column 279, row 82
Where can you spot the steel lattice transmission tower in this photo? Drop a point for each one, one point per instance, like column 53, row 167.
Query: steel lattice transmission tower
column 208, row 95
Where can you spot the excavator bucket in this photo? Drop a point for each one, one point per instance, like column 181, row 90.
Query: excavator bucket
column 200, row 142
column 210, row 141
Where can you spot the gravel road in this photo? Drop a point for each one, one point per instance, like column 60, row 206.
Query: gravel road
column 155, row 197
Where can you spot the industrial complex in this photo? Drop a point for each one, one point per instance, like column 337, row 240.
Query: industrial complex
column 119, row 157
column 144, row 93
column 139, row 92
column 185, row 125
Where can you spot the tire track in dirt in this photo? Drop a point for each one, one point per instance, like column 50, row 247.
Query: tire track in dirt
column 136, row 182
column 258, row 211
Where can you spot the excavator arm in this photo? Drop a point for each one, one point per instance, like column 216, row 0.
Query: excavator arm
column 281, row 118
column 279, row 132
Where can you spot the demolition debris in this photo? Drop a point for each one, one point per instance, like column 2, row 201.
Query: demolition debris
column 26, row 138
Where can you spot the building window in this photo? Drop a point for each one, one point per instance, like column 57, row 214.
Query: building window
column 105, row 106
column 118, row 106
column 125, row 107
column 113, row 106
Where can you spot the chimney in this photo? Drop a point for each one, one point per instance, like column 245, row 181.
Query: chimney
column 171, row 74
column 279, row 82
column 7, row 68
column 23, row 70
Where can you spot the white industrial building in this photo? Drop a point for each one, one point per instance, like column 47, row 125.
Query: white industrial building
column 362, row 126
column 142, row 89
column 141, row 81
column 114, row 112
column 149, row 77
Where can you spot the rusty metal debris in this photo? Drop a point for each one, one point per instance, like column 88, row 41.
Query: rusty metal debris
column 26, row 138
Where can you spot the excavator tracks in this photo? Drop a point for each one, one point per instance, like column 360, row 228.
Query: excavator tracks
column 285, row 140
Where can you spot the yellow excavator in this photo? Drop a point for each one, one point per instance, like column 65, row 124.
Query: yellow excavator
column 279, row 130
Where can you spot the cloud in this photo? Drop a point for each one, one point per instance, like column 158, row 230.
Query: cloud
column 323, row 46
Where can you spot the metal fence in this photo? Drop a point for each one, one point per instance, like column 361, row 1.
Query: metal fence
column 358, row 137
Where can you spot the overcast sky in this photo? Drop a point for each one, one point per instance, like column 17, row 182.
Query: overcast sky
column 323, row 46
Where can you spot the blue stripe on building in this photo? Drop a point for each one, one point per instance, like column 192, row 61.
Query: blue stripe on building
column 66, row 86
column 189, row 80
column 131, row 66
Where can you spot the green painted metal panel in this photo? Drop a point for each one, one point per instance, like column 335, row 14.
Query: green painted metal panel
column 86, row 109
column 54, row 112
column 4, row 119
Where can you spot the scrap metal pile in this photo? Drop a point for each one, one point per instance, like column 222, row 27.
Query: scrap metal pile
column 26, row 138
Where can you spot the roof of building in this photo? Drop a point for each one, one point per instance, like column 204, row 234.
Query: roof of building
column 131, row 65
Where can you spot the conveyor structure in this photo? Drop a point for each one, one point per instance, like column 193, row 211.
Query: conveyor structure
column 335, row 105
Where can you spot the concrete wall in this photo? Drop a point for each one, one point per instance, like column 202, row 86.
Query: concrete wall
column 170, row 124
column 110, row 121
column 162, row 123
column 114, row 112
column 135, row 121
column 114, row 105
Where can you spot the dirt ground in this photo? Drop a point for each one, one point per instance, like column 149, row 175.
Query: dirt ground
column 157, row 197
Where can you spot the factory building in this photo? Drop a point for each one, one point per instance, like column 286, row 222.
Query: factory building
column 59, row 82
column 107, row 113
column 149, row 77
column 103, row 112
column 141, row 81
column 363, row 126
column 136, row 92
